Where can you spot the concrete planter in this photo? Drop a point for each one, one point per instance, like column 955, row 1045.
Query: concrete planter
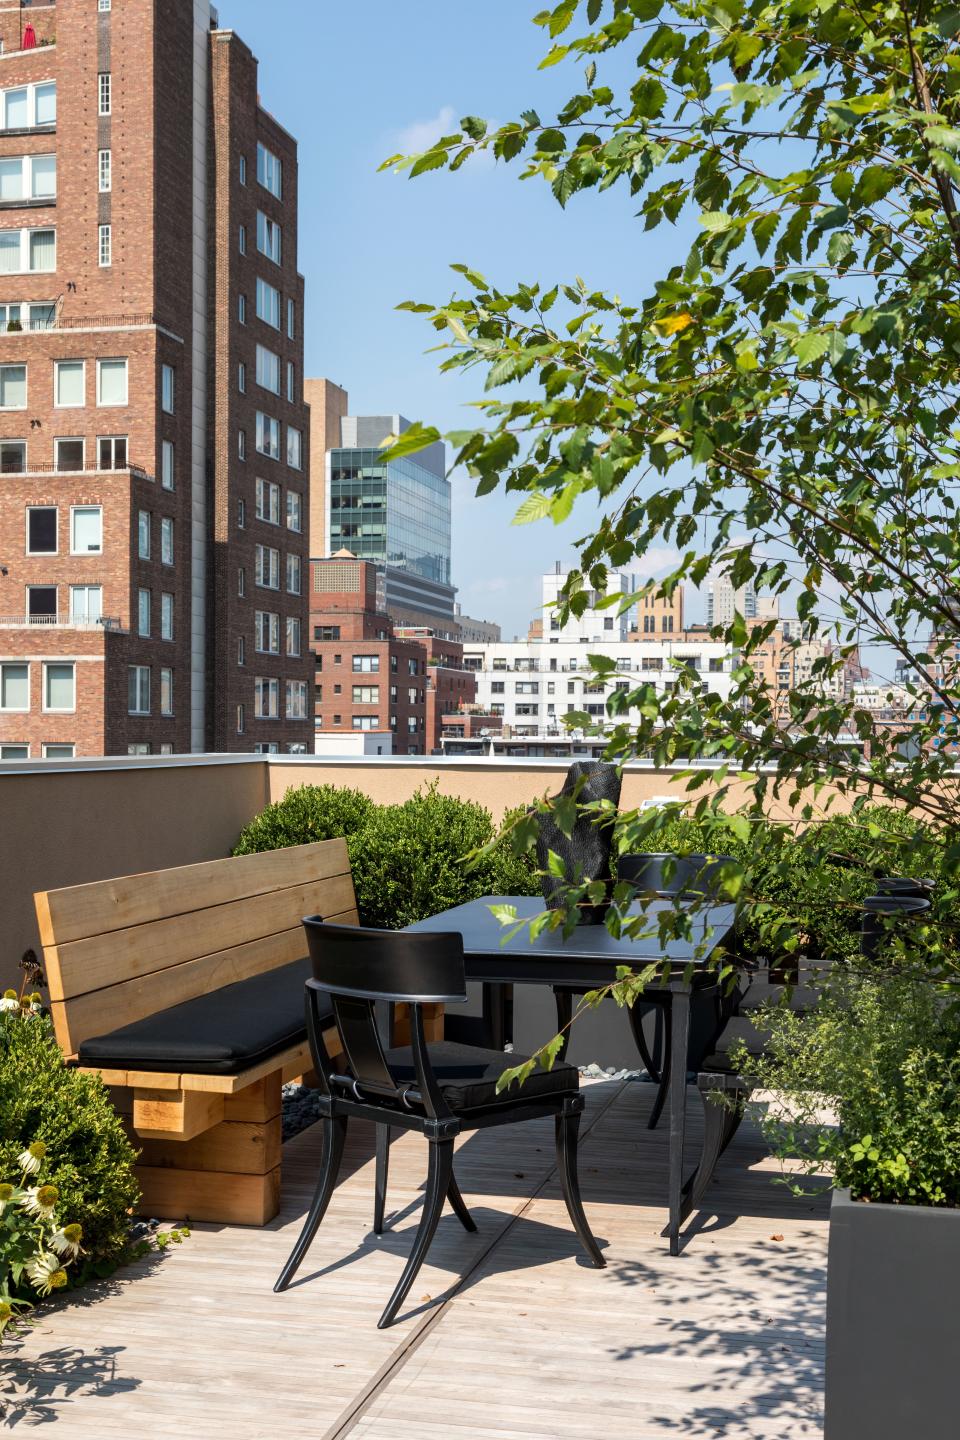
column 892, row 1348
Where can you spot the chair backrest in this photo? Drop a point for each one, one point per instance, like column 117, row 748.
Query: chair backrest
column 119, row 950
column 669, row 875
column 358, row 966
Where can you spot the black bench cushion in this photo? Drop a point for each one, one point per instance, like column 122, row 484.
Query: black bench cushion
column 221, row 1033
column 468, row 1075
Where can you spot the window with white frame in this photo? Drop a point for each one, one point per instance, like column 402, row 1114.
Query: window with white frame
column 111, row 382
column 58, row 751
column 294, row 448
column 104, row 246
column 37, row 315
column 241, row 582
column 13, row 457
column 366, row 694
column 167, row 455
column 268, row 435
column 292, row 319
column 268, row 370
column 365, row 722
column 366, row 665
column 166, row 690
column 293, row 574
column 269, row 238
column 16, row 752
column 13, row 387
column 41, row 529
column 143, row 534
column 241, row 719
column 242, row 444
column 143, row 612
column 69, row 383
column 28, row 107
column 42, row 603
column 69, row 453
column 105, row 171
column 86, row 530
column 241, row 650
column 241, row 514
column 86, row 604
column 104, row 93
column 243, row 169
column 268, row 567
column 138, row 747
column 166, row 540
column 112, row 452
column 268, row 304
column 242, row 239
column 59, row 686
column 266, row 698
column 28, row 177
column 15, row 687
column 267, row 633
column 293, row 635
column 269, row 170
column 138, row 689
column 28, row 252
column 242, row 308
column 241, row 377
column 103, row 4
column 294, row 511
column 268, row 501
column 166, row 615
column 167, row 389
column 296, row 700
column 291, row 382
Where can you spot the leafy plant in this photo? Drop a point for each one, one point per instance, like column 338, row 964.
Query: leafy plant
column 35, row 1248
column 304, row 815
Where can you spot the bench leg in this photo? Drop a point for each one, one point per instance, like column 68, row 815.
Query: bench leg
column 229, row 1174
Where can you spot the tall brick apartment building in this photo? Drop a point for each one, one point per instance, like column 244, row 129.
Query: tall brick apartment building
column 153, row 436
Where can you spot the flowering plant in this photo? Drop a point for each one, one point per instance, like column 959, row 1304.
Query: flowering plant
column 35, row 1248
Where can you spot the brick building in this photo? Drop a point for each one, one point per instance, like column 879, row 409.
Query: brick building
column 449, row 686
column 154, row 513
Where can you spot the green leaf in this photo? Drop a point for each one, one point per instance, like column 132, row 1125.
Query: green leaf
column 812, row 346
column 536, row 507
column 473, row 126
column 416, row 437
column 716, row 221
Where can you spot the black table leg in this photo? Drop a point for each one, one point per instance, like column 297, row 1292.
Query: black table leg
column 679, row 1021
column 494, row 1013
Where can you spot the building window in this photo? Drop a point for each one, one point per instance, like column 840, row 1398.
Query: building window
column 112, row 452
column 294, row 511
column 105, row 170
column 166, row 464
column 167, row 389
column 27, row 251
column 268, row 567
column 242, row 309
column 143, row 612
column 291, row 381
column 103, row 5
column 13, row 457
column 268, row 370
column 58, row 752
column 242, row 378
column 243, row 239
column 86, row 530
column 326, row 632
column 139, row 747
column 241, row 582
column 366, row 664
column 104, row 93
column 166, row 540
column 111, row 382
column 268, row 502
column 241, row 514
column 268, row 304
column 241, row 650
column 68, row 453
column 293, row 574
column 13, row 387
column 143, row 534
column 366, row 694
column 86, row 604
column 268, row 436
column 241, row 444
column 29, row 106
column 241, row 714
column 294, row 448
column 292, row 319
column 28, row 177
column 269, row 170
column 104, row 246
column 293, row 635
column 243, row 169
column 41, row 602
column 69, row 383
column 269, row 239
column 42, row 530
column 166, row 691
column 138, row 689
column 59, row 686
column 15, row 687
column 166, row 615
column 267, row 633
column 296, row 700
column 266, row 698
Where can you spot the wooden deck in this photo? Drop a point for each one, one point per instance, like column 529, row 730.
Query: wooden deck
column 509, row 1336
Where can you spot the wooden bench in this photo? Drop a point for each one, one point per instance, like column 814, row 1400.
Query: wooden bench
column 124, row 950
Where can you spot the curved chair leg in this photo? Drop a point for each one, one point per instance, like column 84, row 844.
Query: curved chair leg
column 439, row 1175
column 334, row 1135
column 383, row 1165
column 564, row 999
column 652, row 1059
column 459, row 1206
column 567, row 1128
column 721, row 1121
column 663, row 1090
column 732, row 1120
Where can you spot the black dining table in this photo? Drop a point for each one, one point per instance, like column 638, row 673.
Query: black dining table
column 589, row 958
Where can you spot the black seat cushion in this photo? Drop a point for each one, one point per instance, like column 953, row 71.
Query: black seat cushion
column 468, row 1075
column 220, row 1033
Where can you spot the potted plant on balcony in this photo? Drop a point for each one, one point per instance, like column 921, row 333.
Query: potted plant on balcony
column 766, row 406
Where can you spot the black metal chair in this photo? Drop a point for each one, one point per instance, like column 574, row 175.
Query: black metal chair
column 438, row 1089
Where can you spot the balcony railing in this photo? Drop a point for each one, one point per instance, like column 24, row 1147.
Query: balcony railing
column 81, row 322
column 58, row 622
column 137, row 471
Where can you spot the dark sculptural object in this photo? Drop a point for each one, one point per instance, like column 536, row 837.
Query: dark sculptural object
column 586, row 852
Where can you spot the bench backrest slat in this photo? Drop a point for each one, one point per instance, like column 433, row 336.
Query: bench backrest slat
column 119, row 950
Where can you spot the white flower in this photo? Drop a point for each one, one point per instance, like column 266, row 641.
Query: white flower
column 31, row 1159
column 67, row 1241
column 46, row 1273
column 9, row 1003
column 40, row 1200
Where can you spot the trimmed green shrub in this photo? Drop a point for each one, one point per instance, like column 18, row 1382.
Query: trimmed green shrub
column 304, row 815
column 90, row 1160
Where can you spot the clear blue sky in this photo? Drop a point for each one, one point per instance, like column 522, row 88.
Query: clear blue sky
column 356, row 83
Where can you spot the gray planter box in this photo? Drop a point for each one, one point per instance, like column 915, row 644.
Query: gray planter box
column 893, row 1346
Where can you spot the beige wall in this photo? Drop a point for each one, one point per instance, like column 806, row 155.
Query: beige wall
column 328, row 405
